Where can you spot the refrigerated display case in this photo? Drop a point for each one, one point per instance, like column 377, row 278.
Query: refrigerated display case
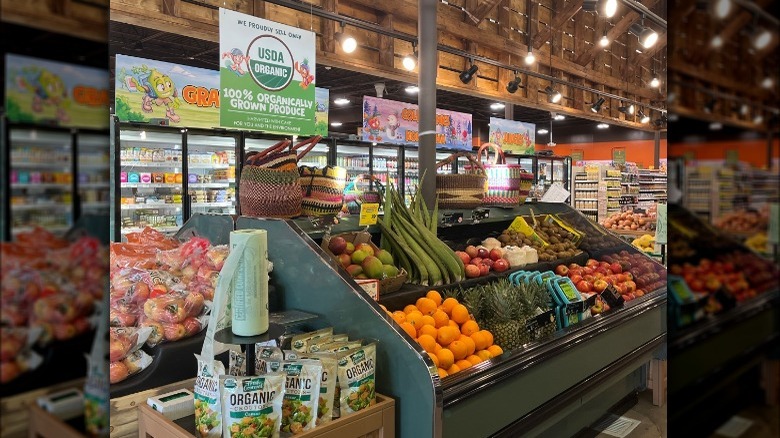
column 93, row 170
column 551, row 169
column 211, row 175
column 151, row 178
column 40, row 179
column 412, row 165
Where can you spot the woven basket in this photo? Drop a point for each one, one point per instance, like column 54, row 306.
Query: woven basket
column 508, row 184
column 461, row 191
column 276, row 157
column 273, row 192
column 354, row 197
column 323, row 189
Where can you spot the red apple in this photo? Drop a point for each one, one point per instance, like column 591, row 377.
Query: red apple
column 488, row 262
column 630, row 286
column 639, row 292
column 621, row 288
column 626, row 297
column 476, row 261
column 576, row 278
column 482, row 252
column 629, row 276
column 592, row 263
column 483, row 270
column 588, row 270
column 573, row 272
column 500, row 265
column 589, row 278
column 616, row 268
column 574, row 266
column 583, row 286
column 472, row 271
column 345, row 260
column 602, row 270
column 561, row 270
column 599, row 285
column 471, row 250
column 463, row 256
column 495, row 254
column 337, row 245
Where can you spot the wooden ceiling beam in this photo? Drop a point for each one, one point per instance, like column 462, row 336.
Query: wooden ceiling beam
column 484, row 8
column 710, row 78
column 560, row 20
column 637, row 59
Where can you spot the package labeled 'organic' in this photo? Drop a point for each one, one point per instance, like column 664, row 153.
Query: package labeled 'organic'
column 316, row 345
column 328, row 383
column 252, row 405
column 208, row 403
column 301, row 398
column 300, row 343
column 357, row 379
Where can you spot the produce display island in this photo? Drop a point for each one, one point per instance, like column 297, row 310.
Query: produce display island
column 554, row 386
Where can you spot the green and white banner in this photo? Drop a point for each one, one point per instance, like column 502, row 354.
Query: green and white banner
column 266, row 75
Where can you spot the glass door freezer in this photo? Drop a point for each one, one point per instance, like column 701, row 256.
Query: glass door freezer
column 211, row 172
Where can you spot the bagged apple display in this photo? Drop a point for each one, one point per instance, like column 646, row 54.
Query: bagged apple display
column 252, row 406
column 357, row 379
column 16, row 357
column 134, row 363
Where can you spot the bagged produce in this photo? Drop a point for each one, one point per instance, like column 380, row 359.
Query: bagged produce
column 315, row 345
column 134, row 363
column 252, row 406
column 126, row 340
column 300, row 342
column 327, row 386
column 96, row 386
column 208, row 402
column 357, row 379
column 301, row 397
column 15, row 354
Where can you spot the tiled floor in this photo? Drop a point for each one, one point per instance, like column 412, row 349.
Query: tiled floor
column 766, row 422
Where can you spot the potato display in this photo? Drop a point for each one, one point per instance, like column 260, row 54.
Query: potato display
column 560, row 242
column 744, row 221
column 630, row 221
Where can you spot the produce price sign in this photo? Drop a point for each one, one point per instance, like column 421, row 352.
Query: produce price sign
column 55, row 93
column 368, row 214
column 388, row 121
column 266, row 75
column 513, row 136
column 660, row 225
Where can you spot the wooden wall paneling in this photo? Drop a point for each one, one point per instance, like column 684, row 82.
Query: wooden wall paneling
column 557, row 21
column 484, row 8
column 386, row 43
column 327, row 27
column 620, row 28
column 171, row 7
column 68, row 17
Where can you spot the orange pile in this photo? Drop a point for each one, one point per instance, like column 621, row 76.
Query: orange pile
column 447, row 331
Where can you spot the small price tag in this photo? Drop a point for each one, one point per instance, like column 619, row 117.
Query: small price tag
column 369, row 213
column 612, row 297
column 371, row 287
column 540, row 321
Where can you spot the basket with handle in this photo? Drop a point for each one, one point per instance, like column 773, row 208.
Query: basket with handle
column 462, row 190
column 508, row 184
column 354, row 197
column 273, row 191
column 323, row 189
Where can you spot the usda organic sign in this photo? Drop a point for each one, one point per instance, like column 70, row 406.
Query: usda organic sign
column 266, row 75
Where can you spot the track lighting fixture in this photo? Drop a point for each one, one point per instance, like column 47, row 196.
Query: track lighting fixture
column 761, row 38
column 410, row 61
column 552, row 95
column 758, row 119
column 655, row 82
column 610, row 7
column 602, row 126
column 604, row 41
column 722, row 8
column 348, row 42
column 767, row 83
column 466, row 75
column 513, row 85
column 596, row 107
column 627, row 109
column 530, row 58
column 716, row 42
column 590, row 5
column 647, row 37
column 643, row 118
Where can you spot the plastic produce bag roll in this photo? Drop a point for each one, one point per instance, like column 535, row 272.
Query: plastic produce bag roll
column 250, row 284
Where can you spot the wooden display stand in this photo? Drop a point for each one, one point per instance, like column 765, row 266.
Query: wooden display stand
column 45, row 425
column 376, row 421
column 124, row 415
column 15, row 410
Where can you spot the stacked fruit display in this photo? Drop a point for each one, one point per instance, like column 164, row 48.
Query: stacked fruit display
column 479, row 261
column 363, row 261
column 758, row 242
column 744, row 222
column 409, row 234
column 647, row 274
column 631, row 221
column 447, row 332
column 645, row 243
column 710, row 277
column 556, row 242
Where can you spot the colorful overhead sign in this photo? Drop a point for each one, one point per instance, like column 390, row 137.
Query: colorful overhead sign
column 322, row 97
column 513, row 136
column 147, row 90
column 55, row 93
column 266, row 75
column 388, row 121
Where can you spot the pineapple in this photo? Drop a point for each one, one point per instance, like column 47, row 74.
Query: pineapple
column 473, row 300
column 503, row 314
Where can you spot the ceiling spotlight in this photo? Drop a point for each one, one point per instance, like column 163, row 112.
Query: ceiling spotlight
column 709, row 107
column 655, row 82
column 596, row 107
column 412, row 89
column 722, row 8
column 559, row 117
column 590, row 5
column 341, row 101
column 335, row 124
column 530, row 58
column 767, row 83
column 410, row 61
column 466, row 75
column 348, row 42
column 552, row 95
column 604, row 41
column 602, row 126
column 497, row 106
column 610, row 7
column 513, row 85
column 758, row 119
column 761, row 39
column 629, row 109
column 542, row 131
column 716, row 126
column 717, row 42
column 744, row 109
column 643, row 118
column 647, row 37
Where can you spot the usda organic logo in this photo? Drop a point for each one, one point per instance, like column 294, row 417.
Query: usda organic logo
column 270, row 62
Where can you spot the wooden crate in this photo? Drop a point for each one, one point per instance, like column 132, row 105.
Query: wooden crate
column 376, row 421
column 45, row 425
column 15, row 410
column 124, row 412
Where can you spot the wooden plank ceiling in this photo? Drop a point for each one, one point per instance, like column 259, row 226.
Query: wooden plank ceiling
column 561, row 33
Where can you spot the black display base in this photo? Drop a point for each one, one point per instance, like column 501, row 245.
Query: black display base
column 226, row 336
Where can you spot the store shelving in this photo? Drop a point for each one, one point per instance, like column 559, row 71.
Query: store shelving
column 652, row 187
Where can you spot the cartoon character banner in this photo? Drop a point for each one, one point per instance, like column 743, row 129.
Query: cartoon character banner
column 55, row 93
column 388, row 121
column 266, row 75
column 513, row 136
column 147, row 90
column 322, row 97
